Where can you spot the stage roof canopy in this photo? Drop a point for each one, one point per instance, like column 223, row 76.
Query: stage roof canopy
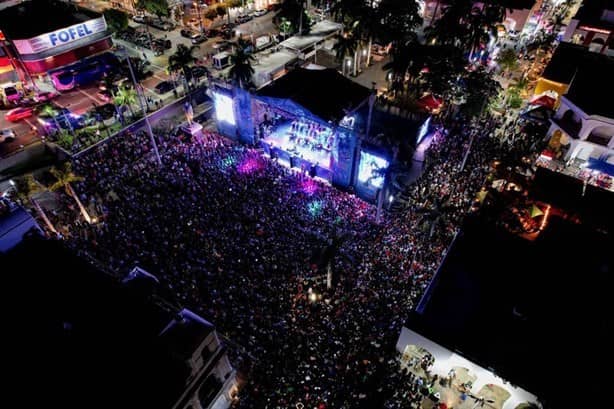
column 325, row 93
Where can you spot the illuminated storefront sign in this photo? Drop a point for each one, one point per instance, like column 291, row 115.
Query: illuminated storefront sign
column 61, row 37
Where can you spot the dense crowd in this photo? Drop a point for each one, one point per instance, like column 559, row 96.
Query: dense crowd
column 238, row 238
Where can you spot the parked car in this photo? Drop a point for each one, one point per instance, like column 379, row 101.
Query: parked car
column 244, row 18
column 64, row 118
column 274, row 6
column 104, row 95
column 222, row 45
column 18, row 114
column 162, row 25
column 199, row 71
column 164, row 86
column 162, row 43
column 45, row 96
column 139, row 19
column 259, row 13
column 104, row 112
column 12, row 94
column 214, row 33
column 200, row 38
column 7, row 135
column 187, row 33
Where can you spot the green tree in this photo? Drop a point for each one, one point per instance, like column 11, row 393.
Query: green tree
column 117, row 20
column 181, row 61
column 294, row 12
column 241, row 71
column 345, row 46
column 125, row 97
column 435, row 213
column 446, row 65
column 157, row 7
column 26, row 188
column 399, row 20
column 64, row 177
column 508, row 59
column 405, row 67
column 211, row 13
column 220, row 10
column 480, row 88
column 49, row 110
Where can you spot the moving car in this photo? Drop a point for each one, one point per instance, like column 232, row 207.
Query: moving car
column 18, row 114
column 259, row 13
column 164, row 86
column 7, row 135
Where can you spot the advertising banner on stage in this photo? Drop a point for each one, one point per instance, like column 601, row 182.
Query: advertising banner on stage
column 343, row 157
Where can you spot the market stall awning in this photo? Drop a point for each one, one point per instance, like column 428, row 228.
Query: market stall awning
column 430, row 103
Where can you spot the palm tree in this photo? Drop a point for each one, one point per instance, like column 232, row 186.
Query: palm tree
column 26, row 187
column 64, row 178
column 181, row 60
column 126, row 97
column 507, row 59
column 346, row 46
column 294, row 12
column 241, row 71
column 51, row 111
column 434, row 213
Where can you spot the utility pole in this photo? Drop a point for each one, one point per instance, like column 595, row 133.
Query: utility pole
column 143, row 108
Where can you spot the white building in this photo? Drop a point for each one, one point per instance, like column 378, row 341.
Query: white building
column 584, row 122
column 592, row 27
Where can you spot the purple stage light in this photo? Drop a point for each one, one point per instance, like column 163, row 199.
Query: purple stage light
column 251, row 164
column 309, row 186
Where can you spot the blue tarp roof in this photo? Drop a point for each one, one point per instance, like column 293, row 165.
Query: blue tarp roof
column 601, row 166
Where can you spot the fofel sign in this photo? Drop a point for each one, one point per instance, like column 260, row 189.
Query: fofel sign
column 61, row 37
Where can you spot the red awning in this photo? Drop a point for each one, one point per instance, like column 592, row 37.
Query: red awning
column 544, row 100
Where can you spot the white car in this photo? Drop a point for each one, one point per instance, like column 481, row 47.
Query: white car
column 260, row 13
column 7, row 135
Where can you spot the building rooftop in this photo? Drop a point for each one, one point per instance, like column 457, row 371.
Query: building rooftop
column 592, row 13
column 592, row 85
column 35, row 17
column 82, row 336
column 323, row 92
column 15, row 222
column 526, row 310
column 318, row 32
column 565, row 61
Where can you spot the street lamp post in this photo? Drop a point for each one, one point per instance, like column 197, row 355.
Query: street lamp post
column 143, row 108
column 200, row 20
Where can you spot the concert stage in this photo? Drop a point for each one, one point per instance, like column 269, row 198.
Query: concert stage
column 312, row 150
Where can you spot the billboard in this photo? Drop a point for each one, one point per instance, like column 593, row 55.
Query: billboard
column 372, row 170
column 61, row 37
